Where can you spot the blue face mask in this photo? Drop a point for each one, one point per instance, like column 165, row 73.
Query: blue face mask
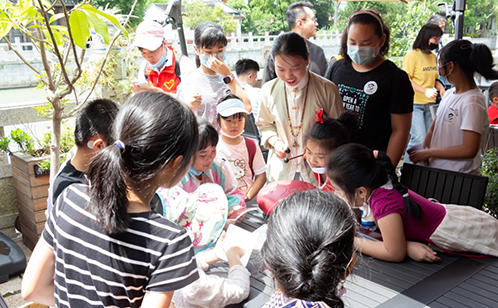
column 361, row 55
column 194, row 172
column 205, row 59
column 159, row 64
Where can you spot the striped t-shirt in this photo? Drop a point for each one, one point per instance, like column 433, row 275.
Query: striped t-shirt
column 93, row 269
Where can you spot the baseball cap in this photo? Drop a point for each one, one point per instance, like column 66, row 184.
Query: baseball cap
column 149, row 35
column 230, row 107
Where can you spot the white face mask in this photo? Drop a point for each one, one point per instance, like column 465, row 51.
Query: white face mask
column 321, row 170
column 230, row 136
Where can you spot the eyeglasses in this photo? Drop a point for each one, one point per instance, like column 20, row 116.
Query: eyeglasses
column 314, row 19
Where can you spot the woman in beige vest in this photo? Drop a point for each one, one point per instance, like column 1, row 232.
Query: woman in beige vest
column 289, row 105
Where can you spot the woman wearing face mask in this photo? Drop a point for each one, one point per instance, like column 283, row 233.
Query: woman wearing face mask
column 288, row 108
column 204, row 87
column 420, row 65
column 373, row 86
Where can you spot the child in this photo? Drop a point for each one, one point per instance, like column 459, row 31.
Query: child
column 243, row 154
column 367, row 179
column 207, row 169
column 102, row 246
column 92, row 133
column 326, row 135
column 493, row 109
column 455, row 138
column 247, row 75
column 213, row 79
column 309, row 250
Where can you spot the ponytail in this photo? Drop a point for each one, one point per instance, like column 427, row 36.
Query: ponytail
column 108, row 192
column 470, row 58
column 412, row 208
column 349, row 120
column 353, row 165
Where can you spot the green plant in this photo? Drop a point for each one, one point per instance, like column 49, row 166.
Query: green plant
column 4, row 145
column 490, row 169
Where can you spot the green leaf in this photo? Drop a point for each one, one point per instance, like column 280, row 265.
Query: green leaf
column 5, row 28
column 110, row 18
column 79, row 28
column 98, row 25
column 55, row 17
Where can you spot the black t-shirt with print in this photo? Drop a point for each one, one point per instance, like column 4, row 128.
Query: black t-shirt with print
column 374, row 95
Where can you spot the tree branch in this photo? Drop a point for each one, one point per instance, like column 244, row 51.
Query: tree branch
column 24, row 60
column 108, row 51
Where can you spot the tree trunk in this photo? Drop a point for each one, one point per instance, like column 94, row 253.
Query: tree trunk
column 55, row 153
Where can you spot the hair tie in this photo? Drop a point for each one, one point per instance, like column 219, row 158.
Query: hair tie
column 120, row 145
column 376, row 153
column 405, row 195
column 319, row 116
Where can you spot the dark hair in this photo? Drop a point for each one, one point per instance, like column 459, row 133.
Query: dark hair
column 309, row 245
column 366, row 17
column 493, row 90
column 244, row 66
column 290, row 44
column 470, row 58
column 426, row 32
column 208, row 35
column 333, row 133
column 352, row 166
column 153, row 128
column 436, row 19
column 95, row 119
column 237, row 115
column 296, row 11
column 208, row 136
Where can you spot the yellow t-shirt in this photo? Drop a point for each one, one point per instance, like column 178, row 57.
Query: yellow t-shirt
column 422, row 69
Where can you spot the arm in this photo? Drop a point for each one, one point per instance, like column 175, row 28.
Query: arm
column 469, row 149
column 421, row 252
column 256, row 186
column 428, row 136
column 221, row 68
column 38, row 280
column 157, row 299
column 400, row 124
column 440, row 87
column 429, row 93
column 393, row 246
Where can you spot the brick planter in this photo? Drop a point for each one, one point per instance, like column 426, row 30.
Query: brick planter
column 31, row 193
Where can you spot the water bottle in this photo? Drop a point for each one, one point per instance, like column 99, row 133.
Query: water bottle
column 367, row 220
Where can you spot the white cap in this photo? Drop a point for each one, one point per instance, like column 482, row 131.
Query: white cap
column 149, row 35
column 230, row 107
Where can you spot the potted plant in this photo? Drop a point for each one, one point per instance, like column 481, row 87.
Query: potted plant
column 30, row 172
column 490, row 169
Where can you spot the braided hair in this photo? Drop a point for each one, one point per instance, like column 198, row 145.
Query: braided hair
column 352, row 166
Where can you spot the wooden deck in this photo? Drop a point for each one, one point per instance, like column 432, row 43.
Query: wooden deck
column 456, row 282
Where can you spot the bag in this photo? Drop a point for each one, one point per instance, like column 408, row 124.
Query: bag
column 202, row 213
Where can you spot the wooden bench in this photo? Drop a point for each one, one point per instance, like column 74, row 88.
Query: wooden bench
column 445, row 186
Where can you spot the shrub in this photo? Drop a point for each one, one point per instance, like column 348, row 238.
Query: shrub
column 490, row 169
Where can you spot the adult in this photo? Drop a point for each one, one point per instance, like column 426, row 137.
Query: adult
column 163, row 67
column 301, row 20
column 309, row 250
column 92, row 133
column 373, row 86
column 289, row 105
column 439, row 21
column 247, row 75
column 421, row 66
column 102, row 246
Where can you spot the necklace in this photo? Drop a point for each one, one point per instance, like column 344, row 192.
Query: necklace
column 295, row 144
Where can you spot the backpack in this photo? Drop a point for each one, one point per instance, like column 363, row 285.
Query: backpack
column 251, row 150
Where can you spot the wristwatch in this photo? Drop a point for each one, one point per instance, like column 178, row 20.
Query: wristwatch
column 228, row 79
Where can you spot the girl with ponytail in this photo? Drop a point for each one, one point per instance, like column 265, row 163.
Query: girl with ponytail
column 366, row 179
column 455, row 138
column 107, row 245
column 309, row 250
column 324, row 136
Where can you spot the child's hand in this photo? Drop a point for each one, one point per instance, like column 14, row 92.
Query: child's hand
column 194, row 102
column 421, row 252
column 416, row 156
column 219, row 66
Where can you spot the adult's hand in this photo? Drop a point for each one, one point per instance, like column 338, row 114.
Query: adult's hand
column 280, row 147
column 431, row 93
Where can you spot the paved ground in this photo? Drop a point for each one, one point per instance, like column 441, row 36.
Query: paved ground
column 21, row 96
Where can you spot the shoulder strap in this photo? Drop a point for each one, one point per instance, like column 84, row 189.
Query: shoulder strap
column 177, row 66
column 251, row 150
